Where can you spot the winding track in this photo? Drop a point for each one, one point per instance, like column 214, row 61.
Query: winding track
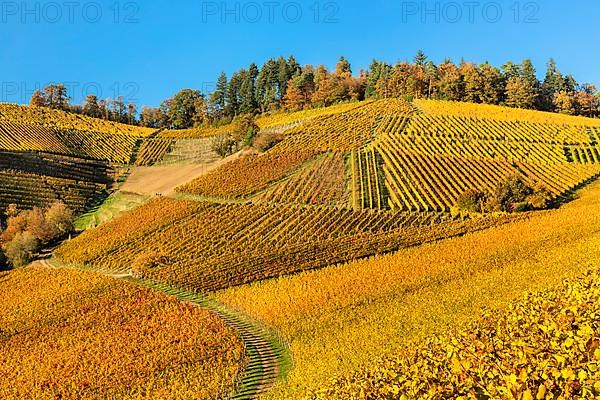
column 268, row 358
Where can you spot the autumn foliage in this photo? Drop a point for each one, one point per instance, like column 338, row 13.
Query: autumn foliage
column 546, row 346
column 71, row 335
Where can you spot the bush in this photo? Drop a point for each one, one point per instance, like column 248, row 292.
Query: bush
column 265, row 141
column 510, row 192
column 38, row 226
column 59, row 219
column 472, row 201
column 21, row 249
column 29, row 230
column 541, row 198
column 14, row 226
column 224, row 145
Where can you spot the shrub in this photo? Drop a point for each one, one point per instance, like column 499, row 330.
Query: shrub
column 15, row 225
column 21, row 249
column 37, row 225
column 224, row 145
column 472, row 201
column 59, row 218
column 265, row 141
column 509, row 193
column 541, row 198
column 28, row 230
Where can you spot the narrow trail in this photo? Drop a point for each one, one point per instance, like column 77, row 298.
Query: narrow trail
column 268, row 358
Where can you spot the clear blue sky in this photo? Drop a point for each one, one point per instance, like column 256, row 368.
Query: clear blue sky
column 163, row 46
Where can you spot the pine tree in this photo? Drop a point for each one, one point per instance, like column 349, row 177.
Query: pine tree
column 247, row 92
column 233, row 95
column 528, row 73
column 218, row 99
column 420, row 58
column 373, row 74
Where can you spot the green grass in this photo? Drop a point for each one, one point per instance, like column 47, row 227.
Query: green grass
column 114, row 205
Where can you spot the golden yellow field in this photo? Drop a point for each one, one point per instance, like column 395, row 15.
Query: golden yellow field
column 345, row 317
column 285, row 119
column 546, row 345
column 473, row 110
column 59, row 119
column 68, row 334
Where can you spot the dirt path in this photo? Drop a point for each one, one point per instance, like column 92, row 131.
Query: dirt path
column 164, row 179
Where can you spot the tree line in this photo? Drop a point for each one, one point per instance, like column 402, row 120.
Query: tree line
column 55, row 96
column 283, row 84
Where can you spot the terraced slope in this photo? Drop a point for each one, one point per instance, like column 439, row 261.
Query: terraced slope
column 207, row 246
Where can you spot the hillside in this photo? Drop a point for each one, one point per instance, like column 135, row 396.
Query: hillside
column 72, row 334
column 413, row 158
column 347, row 183
column 351, row 327
column 348, row 240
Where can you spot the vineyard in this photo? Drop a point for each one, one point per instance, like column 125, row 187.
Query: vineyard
column 65, row 121
column 424, row 162
column 38, row 179
column 72, row 335
column 545, row 346
column 322, row 182
column 472, row 110
column 153, row 151
column 208, row 246
column 32, row 190
column 368, row 189
column 344, row 131
column 115, row 148
column 196, row 133
column 284, row 120
column 189, row 151
column 340, row 321
column 419, row 181
column 247, row 175
column 57, row 166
